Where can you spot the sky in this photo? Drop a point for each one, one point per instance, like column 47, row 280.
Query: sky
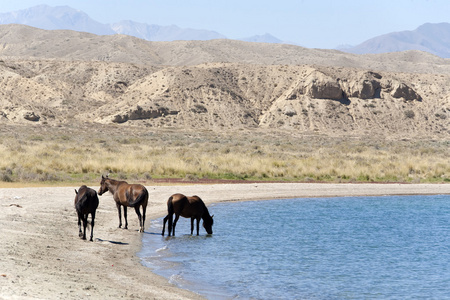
column 310, row 23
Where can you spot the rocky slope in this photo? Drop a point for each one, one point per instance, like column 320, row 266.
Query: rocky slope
column 58, row 78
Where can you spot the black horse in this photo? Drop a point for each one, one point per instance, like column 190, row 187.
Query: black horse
column 86, row 202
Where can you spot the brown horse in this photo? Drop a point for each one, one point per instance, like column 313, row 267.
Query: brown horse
column 86, row 202
column 187, row 207
column 126, row 195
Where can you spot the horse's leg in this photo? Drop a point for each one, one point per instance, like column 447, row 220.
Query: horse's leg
column 136, row 209
column 170, row 216
column 175, row 224
column 80, row 233
column 92, row 225
column 84, row 225
column 144, row 209
column 198, row 225
column 120, row 214
column 125, row 216
column 164, row 225
column 192, row 224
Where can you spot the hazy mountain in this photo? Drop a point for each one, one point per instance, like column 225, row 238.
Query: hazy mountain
column 432, row 38
column 265, row 38
column 65, row 17
column 163, row 33
column 59, row 17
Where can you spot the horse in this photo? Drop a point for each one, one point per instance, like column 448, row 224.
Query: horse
column 187, row 207
column 126, row 195
column 86, row 202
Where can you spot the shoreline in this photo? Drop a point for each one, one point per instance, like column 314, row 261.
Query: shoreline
column 43, row 257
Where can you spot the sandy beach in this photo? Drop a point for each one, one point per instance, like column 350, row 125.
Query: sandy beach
column 42, row 256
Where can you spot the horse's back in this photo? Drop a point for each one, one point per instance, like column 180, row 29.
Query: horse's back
column 138, row 190
column 86, row 200
column 130, row 192
column 195, row 202
column 186, row 206
column 176, row 198
column 84, row 192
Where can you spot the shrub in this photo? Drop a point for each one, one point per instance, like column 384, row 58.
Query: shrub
column 6, row 177
column 409, row 114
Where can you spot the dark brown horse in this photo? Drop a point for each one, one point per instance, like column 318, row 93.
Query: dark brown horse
column 126, row 195
column 188, row 207
column 86, row 202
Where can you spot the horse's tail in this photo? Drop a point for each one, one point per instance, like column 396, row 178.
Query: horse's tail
column 141, row 197
column 81, row 202
column 170, row 206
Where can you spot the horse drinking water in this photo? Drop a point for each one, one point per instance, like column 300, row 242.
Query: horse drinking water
column 86, row 202
column 126, row 195
column 187, row 207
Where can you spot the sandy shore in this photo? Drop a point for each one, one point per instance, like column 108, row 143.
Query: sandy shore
column 41, row 256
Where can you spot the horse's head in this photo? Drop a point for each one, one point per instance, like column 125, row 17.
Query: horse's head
column 103, row 186
column 208, row 223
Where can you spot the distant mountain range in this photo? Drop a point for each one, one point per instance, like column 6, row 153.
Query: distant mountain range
column 163, row 33
column 59, row 17
column 65, row 17
column 432, row 38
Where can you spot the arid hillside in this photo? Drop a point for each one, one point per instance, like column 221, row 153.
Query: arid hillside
column 64, row 77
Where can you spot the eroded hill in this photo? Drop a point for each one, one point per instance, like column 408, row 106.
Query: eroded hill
column 62, row 77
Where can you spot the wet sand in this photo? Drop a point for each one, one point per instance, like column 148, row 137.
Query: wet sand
column 42, row 257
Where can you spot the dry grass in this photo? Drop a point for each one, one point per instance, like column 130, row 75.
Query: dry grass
column 63, row 156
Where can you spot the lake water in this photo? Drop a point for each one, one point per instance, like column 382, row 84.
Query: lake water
column 393, row 247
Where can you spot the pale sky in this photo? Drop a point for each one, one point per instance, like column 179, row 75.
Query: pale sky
column 309, row 23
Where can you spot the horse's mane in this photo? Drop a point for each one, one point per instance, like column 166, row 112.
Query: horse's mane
column 206, row 214
column 114, row 181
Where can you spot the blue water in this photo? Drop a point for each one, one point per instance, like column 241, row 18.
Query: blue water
column 395, row 247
